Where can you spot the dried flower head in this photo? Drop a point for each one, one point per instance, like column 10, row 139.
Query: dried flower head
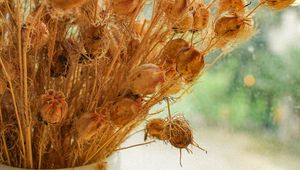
column 124, row 111
column 54, row 107
column 67, row 4
column 179, row 132
column 190, row 62
column 89, row 124
column 124, row 7
column 278, row 4
column 201, row 17
column 146, row 79
column 155, row 128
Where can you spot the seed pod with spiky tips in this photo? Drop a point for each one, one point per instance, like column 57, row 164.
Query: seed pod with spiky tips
column 232, row 27
column 124, row 111
column 124, row 7
column 67, row 4
column 201, row 17
column 178, row 132
column 146, row 79
column 278, row 4
column 89, row 124
column 155, row 129
column 54, row 108
column 189, row 63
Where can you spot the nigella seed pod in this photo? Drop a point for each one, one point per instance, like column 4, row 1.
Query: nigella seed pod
column 175, row 8
column 231, row 27
column 39, row 34
column 88, row 125
column 60, row 66
column 54, row 107
column 146, row 79
column 236, row 6
column 155, row 129
column 190, row 62
column 172, row 49
column 124, row 7
column 278, row 4
column 185, row 24
column 178, row 132
column 124, row 111
column 67, row 4
column 94, row 40
column 201, row 17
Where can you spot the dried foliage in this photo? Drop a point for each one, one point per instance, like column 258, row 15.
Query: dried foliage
column 77, row 76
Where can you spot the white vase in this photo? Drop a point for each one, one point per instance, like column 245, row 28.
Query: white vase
column 113, row 163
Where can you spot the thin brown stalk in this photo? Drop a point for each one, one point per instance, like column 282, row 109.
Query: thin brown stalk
column 136, row 145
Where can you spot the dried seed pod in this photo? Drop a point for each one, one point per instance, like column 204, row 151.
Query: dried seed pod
column 201, row 17
column 190, row 62
column 236, row 6
column 132, row 46
column 175, row 8
column 54, row 107
column 179, row 132
column 67, row 4
column 278, row 4
column 89, row 124
column 41, row 34
column 231, row 27
column 172, row 49
column 146, row 79
column 59, row 66
column 124, row 7
column 185, row 24
column 155, row 129
column 95, row 41
column 124, row 111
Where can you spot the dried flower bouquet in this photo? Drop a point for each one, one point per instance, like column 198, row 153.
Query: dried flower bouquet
column 78, row 76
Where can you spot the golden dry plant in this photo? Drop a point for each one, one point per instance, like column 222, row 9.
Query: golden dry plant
column 78, row 76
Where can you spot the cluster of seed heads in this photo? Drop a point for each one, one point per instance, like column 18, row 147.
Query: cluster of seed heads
column 77, row 76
